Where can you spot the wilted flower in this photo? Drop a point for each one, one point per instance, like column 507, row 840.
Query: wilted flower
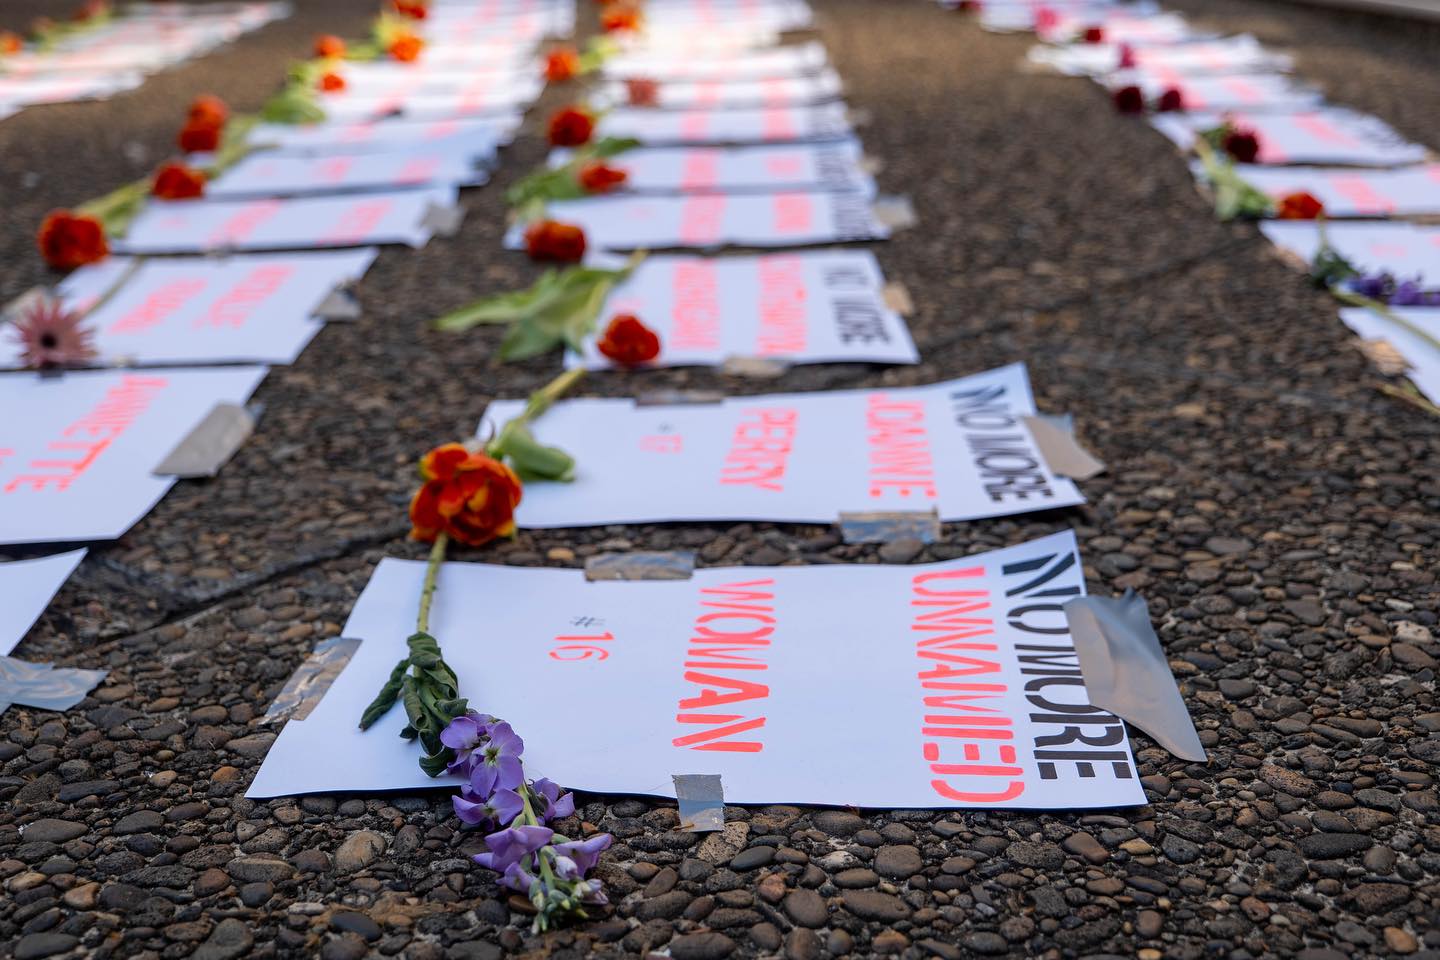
column 208, row 110
column 405, row 47
column 642, row 91
column 329, row 47
column 553, row 240
column 571, row 127
column 600, row 177
column 331, row 82
column 620, row 19
column 561, row 64
column 466, row 495
column 1299, row 206
column 51, row 337
column 1241, row 143
column 1129, row 99
column 68, row 240
column 414, row 9
column 1171, row 101
column 175, row 181
column 628, row 342
column 1093, row 35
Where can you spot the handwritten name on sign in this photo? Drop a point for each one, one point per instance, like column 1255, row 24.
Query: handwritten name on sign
column 960, row 447
column 963, row 673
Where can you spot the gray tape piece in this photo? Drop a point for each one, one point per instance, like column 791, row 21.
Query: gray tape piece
column 676, row 398
column 210, row 445
column 641, row 565
column 756, row 368
column 443, row 221
column 1061, row 451
column 1126, row 672
column 43, row 686
column 895, row 212
column 311, row 679
column 897, row 297
column 702, row 801
column 339, row 304
column 882, row 527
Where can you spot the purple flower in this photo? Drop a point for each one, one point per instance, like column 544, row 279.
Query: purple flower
column 500, row 808
column 584, row 853
column 1408, row 293
column 464, row 735
column 511, row 845
column 517, row 878
column 497, row 763
column 552, row 803
column 1371, row 285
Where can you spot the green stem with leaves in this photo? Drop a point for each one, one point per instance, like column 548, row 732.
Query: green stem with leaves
column 432, row 574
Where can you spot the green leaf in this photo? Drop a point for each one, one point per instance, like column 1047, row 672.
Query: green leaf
column 385, row 699
column 563, row 182
column 294, row 104
column 532, row 459
column 434, row 764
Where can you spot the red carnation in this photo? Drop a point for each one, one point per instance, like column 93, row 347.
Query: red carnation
column 629, row 342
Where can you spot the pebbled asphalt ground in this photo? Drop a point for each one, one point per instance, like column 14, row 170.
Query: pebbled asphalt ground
column 1276, row 509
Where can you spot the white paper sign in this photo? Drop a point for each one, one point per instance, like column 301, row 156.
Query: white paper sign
column 477, row 137
column 834, row 165
column 1242, row 54
column 482, row 97
column 199, row 226
column 826, row 121
column 26, row 589
column 77, row 465
column 789, row 61
column 955, row 684
column 1327, row 135
column 736, row 94
column 1354, row 192
column 244, row 309
column 1220, row 94
column 1403, row 249
column 272, row 175
column 810, row 307
column 959, row 447
column 1419, row 351
column 1118, row 27
column 710, row 220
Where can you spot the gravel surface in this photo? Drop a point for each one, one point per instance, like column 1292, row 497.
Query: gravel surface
column 1276, row 509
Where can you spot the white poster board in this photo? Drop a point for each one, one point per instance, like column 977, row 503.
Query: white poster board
column 960, row 447
column 279, row 175
column 1419, row 351
column 1239, row 54
column 477, row 137
column 833, row 165
column 810, row 307
column 726, row 94
column 1405, row 250
column 78, row 465
column 787, row 61
column 1220, row 93
column 1354, row 191
column 949, row 684
column 826, row 121
column 26, row 589
column 1325, row 135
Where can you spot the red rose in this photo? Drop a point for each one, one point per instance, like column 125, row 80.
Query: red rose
column 1171, row 101
column 622, row 19
column 561, row 64
column 552, row 240
column 1299, row 206
column 468, row 496
column 406, row 47
column 68, row 240
column 329, row 47
column 1094, row 35
column 331, row 82
column 968, row 6
column 1241, row 144
column 629, row 342
column 642, row 91
column 414, row 9
column 598, row 177
column 209, row 111
column 175, row 181
column 1129, row 100
column 1127, row 57
column 199, row 138
column 571, row 127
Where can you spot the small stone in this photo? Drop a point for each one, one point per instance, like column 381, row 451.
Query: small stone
column 256, row 869
column 902, row 550
column 889, row 941
column 348, row 921
column 1082, row 845
column 359, row 850
column 52, row 831
column 806, row 908
column 701, row 946
column 752, row 857
column 1400, row 940
column 802, row 944
column 983, row 941
column 898, row 862
column 141, row 821
column 837, row 823
column 1332, row 846
column 34, row 945
column 874, row 905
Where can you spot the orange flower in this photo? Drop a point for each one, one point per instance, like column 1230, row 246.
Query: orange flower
column 68, row 240
column 571, row 127
column 199, row 138
column 620, row 19
column 599, row 177
column 175, row 181
column 561, row 64
column 331, row 82
column 629, row 342
column 642, row 91
column 329, row 47
column 553, row 240
column 405, row 47
column 208, row 111
column 10, row 42
column 467, row 495
column 414, row 9
column 1299, row 206
column 90, row 10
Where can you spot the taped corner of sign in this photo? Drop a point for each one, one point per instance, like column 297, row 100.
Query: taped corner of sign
column 754, row 368
column 678, row 398
column 702, row 801
column 1125, row 670
column 1055, row 438
column 44, row 686
column 889, row 526
column 310, row 681
column 1292, row 259
column 210, row 444
column 641, row 565
column 894, row 211
column 871, row 164
column 857, row 116
column 897, row 297
column 442, row 220
column 1383, row 355
column 339, row 304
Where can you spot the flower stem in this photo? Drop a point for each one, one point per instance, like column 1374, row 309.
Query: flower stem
column 541, row 399
column 432, row 572
column 527, row 812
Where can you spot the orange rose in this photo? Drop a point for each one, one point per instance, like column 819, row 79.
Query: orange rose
column 68, row 240
column 552, row 240
column 629, row 342
column 414, row 9
column 642, row 91
column 1299, row 206
column 598, row 177
column 329, row 47
column 199, row 138
column 331, row 82
column 561, row 64
column 571, row 127
column 620, row 19
column 175, row 181
column 406, row 47
column 208, row 111
column 468, row 496
column 10, row 42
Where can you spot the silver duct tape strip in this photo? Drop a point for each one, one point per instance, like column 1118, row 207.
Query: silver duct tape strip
column 339, row 305
column 641, row 565
column 897, row 297
column 44, row 686
column 310, row 681
column 702, row 801
column 1125, row 670
column 755, row 368
column 895, row 212
column 883, row 527
column 443, row 221
column 1055, row 438
column 210, row 445
column 676, row 398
